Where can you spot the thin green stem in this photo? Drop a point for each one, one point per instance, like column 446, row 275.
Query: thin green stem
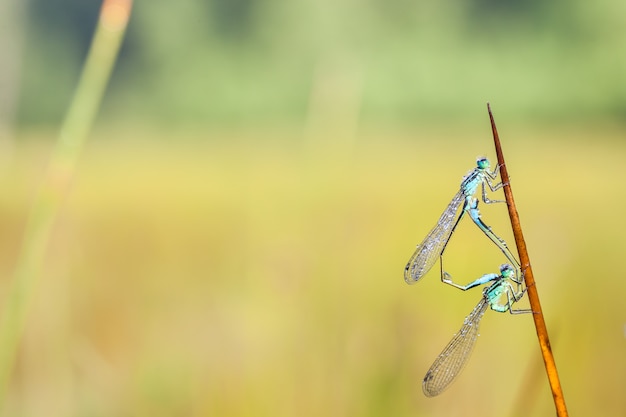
column 109, row 33
column 533, row 295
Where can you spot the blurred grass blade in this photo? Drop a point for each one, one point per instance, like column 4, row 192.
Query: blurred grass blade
column 109, row 33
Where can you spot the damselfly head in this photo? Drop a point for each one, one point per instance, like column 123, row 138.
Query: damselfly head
column 482, row 162
column 506, row 270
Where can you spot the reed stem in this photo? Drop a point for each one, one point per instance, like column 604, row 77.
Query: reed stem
column 112, row 22
column 533, row 295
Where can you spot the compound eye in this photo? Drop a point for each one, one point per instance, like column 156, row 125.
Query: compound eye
column 482, row 163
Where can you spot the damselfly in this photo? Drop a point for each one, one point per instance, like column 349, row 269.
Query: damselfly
column 435, row 242
column 499, row 296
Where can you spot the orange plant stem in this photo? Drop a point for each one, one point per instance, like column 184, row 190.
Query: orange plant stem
column 533, row 296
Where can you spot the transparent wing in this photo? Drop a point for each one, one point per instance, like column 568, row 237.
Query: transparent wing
column 430, row 249
column 451, row 361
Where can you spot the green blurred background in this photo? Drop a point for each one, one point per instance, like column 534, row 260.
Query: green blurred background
column 262, row 170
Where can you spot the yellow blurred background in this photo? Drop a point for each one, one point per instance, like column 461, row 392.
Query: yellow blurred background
column 236, row 233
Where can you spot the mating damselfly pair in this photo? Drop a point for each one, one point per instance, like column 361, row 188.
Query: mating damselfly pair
column 500, row 295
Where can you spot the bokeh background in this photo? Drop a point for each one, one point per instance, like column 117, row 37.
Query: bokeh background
column 261, row 171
